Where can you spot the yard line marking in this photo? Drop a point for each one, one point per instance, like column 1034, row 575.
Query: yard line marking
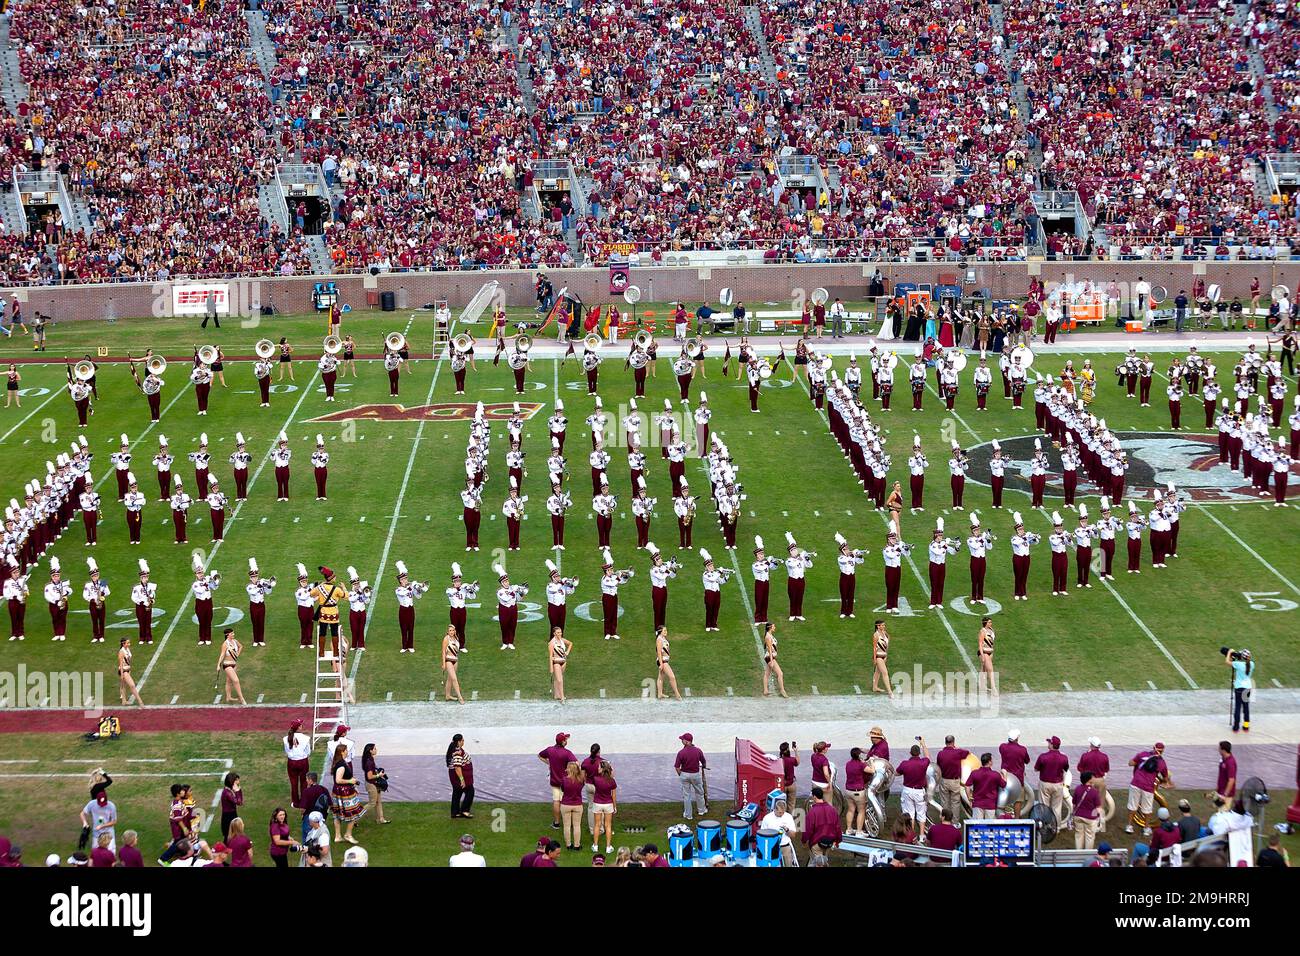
column 302, row 699
column 433, row 695
column 602, row 693
column 516, row 695
column 473, row 695
column 388, row 696
column 944, row 408
column 815, row 691
column 1109, row 685
column 145, row 760
column 1276, row 682
column 857, row 689
column 216, row 546
column 1255, row 554
column 54, row 393
column 686, row 692
column 260, row 698
column 1024, row 687
column 731, row 692
column 176, row 697
column 1066, row 685
column 217, row 699
column 28, row 760
column 1151, row 684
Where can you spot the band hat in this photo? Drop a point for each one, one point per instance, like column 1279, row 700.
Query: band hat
column 704, row 398
column 144, row 566
column 705, row 556
column 1083, row 512
column 559, row 404
column 606, row 558
column 126, row 442
column 1015, row 517
column 90, row 563
column 239, row 438
column 840, row 540
column 252, row 567
column 640, row 483
column 758, row 544
column 162, row 441
column 196, row 562
column 604, row 481
column 1056, row 518
column 49, row 466
column 1038, row 444
column 514, row 484
column 55, row 566
column 916, row 441
column 176, row 481
column 631, row 403
column 557, row 479
column 668, row 405
column 555, row 443
column 996, row 446
column 401, row 569
column 203, row 438
column 1105, row 503
column 599, row 404
column 516, row 408
column 550, row 566
column 130, row 478
column 1132, row 507
column 320, row 441
column 974, row 520
column 283, row 438
column 789, row 540
column 352, row 573
column 651, row 549
column 302, row 569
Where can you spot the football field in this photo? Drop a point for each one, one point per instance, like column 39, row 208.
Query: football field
column 395, row 474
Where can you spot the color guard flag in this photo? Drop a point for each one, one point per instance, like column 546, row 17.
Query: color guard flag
column 726, row 360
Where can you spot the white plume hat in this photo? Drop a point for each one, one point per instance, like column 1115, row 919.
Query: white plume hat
column 640, row 482
column 203, row 438
column 239, row 438
column 1038, row 444
column 1132, row 507
column 514, row 484
column 606, row 558
column 500, row 572
column 650, row 547
column 90, row 563
column 996, row 446
column 955, row 446
column 1056, row 518
column 1083, row 511
column 974, row 520
column 516, row 408
column 144, row 566
column 130, row 478
column 284, row 437
column 1015, row 517
column 705, row 556
column 916, row 441
column 352, row 573
column 401, row 569
column 55, row 566
column 599, row 404
column 320, row 439
column 125, row 440
column 789, row 539
column 559, row 404
column 938, row 525
column 668, row 405
column 758, row 543
column 604, row 480
column 252, row 566
column 703, row 398
column 550, row 566
column 162, row 441
column 631, row 403
column 302, row 569
column 1105, row 503
column 455, row 569
column 840, row 540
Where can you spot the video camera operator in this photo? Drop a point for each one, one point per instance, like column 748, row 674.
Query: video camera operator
column 1243, row 685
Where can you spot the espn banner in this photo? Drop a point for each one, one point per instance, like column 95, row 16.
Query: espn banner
column 192, row 298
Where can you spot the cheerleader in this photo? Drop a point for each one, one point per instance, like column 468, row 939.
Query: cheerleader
column 450, row 661
column 557, row 651
column 984, row 650
column 219, row 367
column 12, row 386
column 228, row 665
column 662, row 666
column 880, row 661
column 286, row 360
column 126, row 688
column 349, row 356
column 772, row 669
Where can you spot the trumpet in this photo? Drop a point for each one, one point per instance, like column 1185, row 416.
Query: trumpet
column 905, row 547
column 332, row 345
column 264, row 349
column 156, row 365
column 394, row 341
column 673, row 565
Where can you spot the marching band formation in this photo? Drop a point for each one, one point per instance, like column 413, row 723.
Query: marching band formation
column 1087, row 449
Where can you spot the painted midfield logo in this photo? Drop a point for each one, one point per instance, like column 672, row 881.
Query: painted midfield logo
column 445, row 411
column 1191, row 462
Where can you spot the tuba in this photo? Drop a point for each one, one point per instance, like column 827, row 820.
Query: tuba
column 394, row 341
column 156, row 365
column 332, row 345
column 523, row 342
column 632, row 294
column 264, row 349
column 463, row 342
column 592, row 342
column 819, row 296
column 208, row 354
column 694, row 347
column 642, row 339
column 958, row 361
column 1024, row 353
column 84, row 371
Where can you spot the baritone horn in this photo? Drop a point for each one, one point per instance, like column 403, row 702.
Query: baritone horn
column 332, row 345
column 694, row 347
column 819, row 296
column 156, row 365
column 208, row 354
column 84, row 371
column 632, row 294
column 264, row 348
column 1279, row 291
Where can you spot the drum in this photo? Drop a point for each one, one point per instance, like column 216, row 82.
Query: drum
column 767, row 848
column 708, row 837
column 738, row 840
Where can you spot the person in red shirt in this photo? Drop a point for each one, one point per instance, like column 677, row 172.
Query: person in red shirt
column 914, row 770
column 1165, row 835
column 983, row 785
column 1096, row 762
column 557, row 758
column 1226, row 786
column 1051, row 767
column 949, row 760
column 821, row 826
column 128, row 854
column 944, row 835
column 789, row 760
column 101, row 855
column 530, row 859
column 549, row 855
column 1087, row 811
column 650, row 853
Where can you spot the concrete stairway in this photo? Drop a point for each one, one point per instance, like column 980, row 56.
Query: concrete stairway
column 12, row 87
column 767, row 63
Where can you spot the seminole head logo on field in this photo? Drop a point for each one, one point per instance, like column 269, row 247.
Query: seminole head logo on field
column 1191, row 462
column 443, row 411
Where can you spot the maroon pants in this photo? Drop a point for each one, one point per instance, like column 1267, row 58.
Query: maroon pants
column 1060, row 570
column 753, row 398
column 297, row 770
column 1037, row 483
column 978, row 568
column 282, row 481
column 918, row 490
column 218, row 516
column 59, row 620
column 609, row 611
column 603, row 525
column 1070, row 481
column 1082, row 564
column 459, row 375
column 893, row 578
column 1209, row 414
column 638, row 380
column 406, row 625
column 684, row 529
column 164, row 485
column 938, row 572
column 201, row 393
column 257, row 620
column 684, row 385
column 519, row 380
column 357, row 628
column 1135, row 554
column 557, row 614
column 121, row 483
column 155, row 406
column 241, row 484
column 981, row 399
column 201, row 481
column 592, row 376
column 322, row 474
column 512, row 533
column 304, row 626
column 203, row 611
column 712, row 603
column 144, row 623
column 997, row 482
column 1279, row 486
column 91, row 520
column 472, row 516
column 761, row 589
column 557, row 530
column 264, row 387
column 1130, row 383
column 917, row 394
column 848, row 585
column 958, row 489
column 1020, row 573
column 1144, row 390
column 83, row 408
column 794, row 589
column 1176, row 414
column 559, row 436
column 1107, row 556
column 642, row 531
column 178, row 522
column 884, row 398
column 394, row 374
column 98, row 621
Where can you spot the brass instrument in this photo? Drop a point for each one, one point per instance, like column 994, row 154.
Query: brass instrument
column 642, row 339
column 694, row 347
column 332, row 345
column 207, row 354
column 156, row 365
column 394, row 341
column 463, row 342
column 820, row 296
column 264, row 349
column 592, row 342
column 523, row 342
column 632, row 294
column 84, row 371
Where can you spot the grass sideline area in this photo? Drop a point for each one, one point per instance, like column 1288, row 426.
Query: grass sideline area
column 1233, row 582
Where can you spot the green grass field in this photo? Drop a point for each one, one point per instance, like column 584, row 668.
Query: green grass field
column 1232, row 584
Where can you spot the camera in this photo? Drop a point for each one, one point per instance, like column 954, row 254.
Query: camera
column 1230, row 654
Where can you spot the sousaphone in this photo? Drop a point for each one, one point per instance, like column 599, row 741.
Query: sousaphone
column 523, row 342
column 819, row 296
column 208, row 354
column 632, row 294
column 592, row 342
column 463, row 342
column 84, row 371
column 264, row 348
column 694, row 347
column 642, row 339
column 395, row 341
column 156, row 365
column 332, row 345
column 1025, row 355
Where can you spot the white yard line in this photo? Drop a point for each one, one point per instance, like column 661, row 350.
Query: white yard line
column 239, row 505
column 1255, row 554
column 54, row 393
column 944, row 408
column 109, row 470
column 401, row 496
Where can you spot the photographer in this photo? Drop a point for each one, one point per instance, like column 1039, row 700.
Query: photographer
column 1243, row 686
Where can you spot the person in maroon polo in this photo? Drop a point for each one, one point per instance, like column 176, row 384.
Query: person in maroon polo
column 1015, row 758
column 530, row 859
column 949, row 760
column 913, row 772
column 557, row 757
column 789, row 760
column 1165, row 834
column 1051, row 766
column 1149, row 769
column 823, row 775
column 650, row 853
column 690, row 765
column 983, row 785
column 1095, row 762
column 546, row 859
column 879, row 745
column 1087, row 811
column 821, row 829
column 944, row 835
column 1226, row 786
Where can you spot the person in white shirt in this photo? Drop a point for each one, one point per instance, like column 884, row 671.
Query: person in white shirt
column 467, row 856
column 780, row 819
column 317, row 836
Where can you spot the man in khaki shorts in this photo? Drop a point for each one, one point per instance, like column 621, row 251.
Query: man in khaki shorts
column 949, row 760
column 557, row 758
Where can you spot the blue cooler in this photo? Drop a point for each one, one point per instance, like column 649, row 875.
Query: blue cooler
column 767, row 848
column 708, row 838
column 681, row 845
column 770, row 800
column 738, row 842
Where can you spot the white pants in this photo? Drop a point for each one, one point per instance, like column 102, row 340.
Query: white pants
column 914, row 804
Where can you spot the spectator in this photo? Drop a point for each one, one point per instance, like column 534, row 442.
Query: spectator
column 467, row 856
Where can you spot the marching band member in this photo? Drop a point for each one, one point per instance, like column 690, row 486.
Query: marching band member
column 557, row 504
column 151, row 387
column 1159, row 525
column 1195, row 363
column 1083, row 536
column 610, row 580
column 603, row 504
column 762, row 568
column 56, row 596
column 848, row 560
column 95, row 593
column 1021, row 542
column 163, row 465
column 472, row 504
column 916, row 376
column 958, row 465
column 1277, row 399
column 755, row 380
column 556, row 465
column 1018, row 379
column 684, row 370
column 597, row 422
column 636, row 462
column 684, row 507
column 983, row 382
column 713, row 579
column 1059, row 540
column 1175, row 506
column 997, row 473
column 893, row 554
column 917, row 464
column 262, row 372
column 984, row 650
column 675, row 452
column 508, row 596
column 817, row 382
column 306, row 603
column 280, row 456
column 642, row 510
column 512, row 509
column 359, row 598
column 459, row 594
column 1146, row 369
column 257, row 588
column 940, row 547
column 1209, row 399
column 949, row 384
column 393, row 366
column 978, row 544
column 556, row 425
column 121, row 462
column 1281, row 472
column 80, row 394
column 408, row 592
column 201, row 460
column 885, row 380
column 91, row 512
column 1069, row 469
column 797, row 562
column 880, row 661
column 239, row 462
column 459, row 363
column 1040, row 401
column 134, row 504
column 519, row 364
column 201, row 376
column 1293, row 420
column 598, row 460
column 591, row 365
column 728, row 501
column 204, row 584
column 638, row 360
column 1107, row 528
column 329, row 373
column 1243, row 391
column 662, row 666
column 320, row 461
column 217, row 504
column 660, row 572
column 558, row 590
column 702, row 415
column 1175, row 393
column 515, row 458
column 853, row 376
column 15, row 596
column 1037, row 475
column 667, row 424
column 143, row 596
column 180, row 504
column 1134, row 527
